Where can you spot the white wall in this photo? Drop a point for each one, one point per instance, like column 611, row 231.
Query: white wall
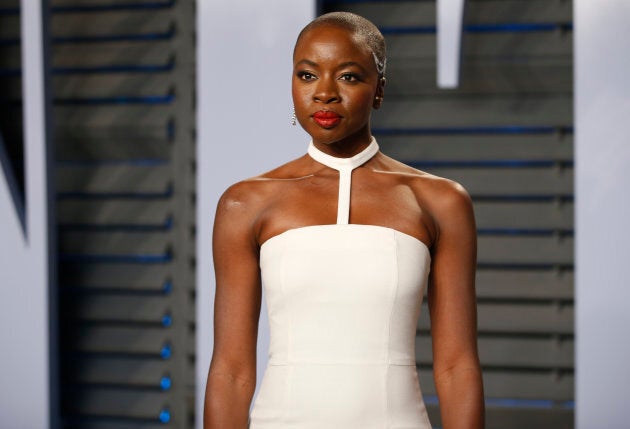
column 450, row 19
column 602, row 153
column 244, row 105
column 24, row 317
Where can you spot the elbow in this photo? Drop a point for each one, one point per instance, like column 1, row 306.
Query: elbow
column 468, row 369
column 229, row 392
column 453, row 373
column 234, row 376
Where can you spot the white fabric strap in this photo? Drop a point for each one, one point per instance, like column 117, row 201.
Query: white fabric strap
column 345, row 167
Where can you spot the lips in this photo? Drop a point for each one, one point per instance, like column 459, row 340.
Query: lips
column 326, row 118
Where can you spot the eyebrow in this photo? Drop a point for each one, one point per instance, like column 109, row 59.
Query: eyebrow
column 340, row 66
column 307, row 62
column 351, row 63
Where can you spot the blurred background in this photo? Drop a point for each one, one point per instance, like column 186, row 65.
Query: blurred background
column 124, row 144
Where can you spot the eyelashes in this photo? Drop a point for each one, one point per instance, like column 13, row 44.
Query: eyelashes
column 345, row 77
column 304, row 75
column 350, row 77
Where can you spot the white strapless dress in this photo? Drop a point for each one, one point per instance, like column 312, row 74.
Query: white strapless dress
column 343, row 302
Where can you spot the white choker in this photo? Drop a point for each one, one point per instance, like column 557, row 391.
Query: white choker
column 344, row 163
column 345, row 167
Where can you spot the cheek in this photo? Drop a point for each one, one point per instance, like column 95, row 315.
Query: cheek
column 298, row 94
column 362, row 101
column 294, row 90
column 300, row 102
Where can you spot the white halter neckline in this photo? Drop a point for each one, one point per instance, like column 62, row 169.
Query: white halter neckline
column 345, row 167
column 344, row 163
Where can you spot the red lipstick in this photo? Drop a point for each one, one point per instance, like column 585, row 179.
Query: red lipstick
column 326, row 118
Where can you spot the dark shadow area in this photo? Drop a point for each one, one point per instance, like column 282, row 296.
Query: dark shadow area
column 11, row 135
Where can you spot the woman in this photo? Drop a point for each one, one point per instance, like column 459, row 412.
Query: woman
column 343, row 239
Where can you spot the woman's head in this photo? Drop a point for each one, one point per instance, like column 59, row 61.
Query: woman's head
column 360, row 27
column 338, row 63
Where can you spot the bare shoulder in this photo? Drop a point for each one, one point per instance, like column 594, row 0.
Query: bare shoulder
column 441, row 196
column 249, row 197
column 444, row 195
column 240, row 198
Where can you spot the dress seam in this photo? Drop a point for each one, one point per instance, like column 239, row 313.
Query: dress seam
column 389, row 330
column 287, row 383
column 336, row 363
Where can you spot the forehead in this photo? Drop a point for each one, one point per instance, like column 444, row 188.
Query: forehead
column 334, row 40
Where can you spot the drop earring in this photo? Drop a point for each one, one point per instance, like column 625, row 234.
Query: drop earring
column 293, row 118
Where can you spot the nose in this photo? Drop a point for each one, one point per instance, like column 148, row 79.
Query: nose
column 326, row 91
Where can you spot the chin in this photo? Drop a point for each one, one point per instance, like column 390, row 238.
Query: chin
column 327, row 140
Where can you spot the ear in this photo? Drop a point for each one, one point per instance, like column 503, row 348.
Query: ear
column 380, row 93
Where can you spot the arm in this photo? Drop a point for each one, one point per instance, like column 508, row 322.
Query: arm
column 232, row 375
column 453, row 311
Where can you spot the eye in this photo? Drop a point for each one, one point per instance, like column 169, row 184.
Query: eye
column 349, row 77
column 304, row 75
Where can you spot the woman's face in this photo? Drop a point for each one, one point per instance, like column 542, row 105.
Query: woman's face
column 335, row 85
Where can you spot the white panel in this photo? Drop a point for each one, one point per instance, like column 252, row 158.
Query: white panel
column 24, row 319
column 602, row 90
column 450, row 16
column 244, row 50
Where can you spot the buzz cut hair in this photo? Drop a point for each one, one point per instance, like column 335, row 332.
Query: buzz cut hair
column 357, row 25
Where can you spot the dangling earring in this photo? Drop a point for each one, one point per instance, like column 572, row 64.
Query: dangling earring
column 293, row 118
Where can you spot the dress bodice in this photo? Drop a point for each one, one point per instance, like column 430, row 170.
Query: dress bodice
column 343, row 294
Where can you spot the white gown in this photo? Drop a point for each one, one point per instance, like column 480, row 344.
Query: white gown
column 343, row 302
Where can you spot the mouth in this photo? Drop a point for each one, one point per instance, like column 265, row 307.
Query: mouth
column 326, row 118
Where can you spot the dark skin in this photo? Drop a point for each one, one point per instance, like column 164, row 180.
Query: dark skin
column 334, row 70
